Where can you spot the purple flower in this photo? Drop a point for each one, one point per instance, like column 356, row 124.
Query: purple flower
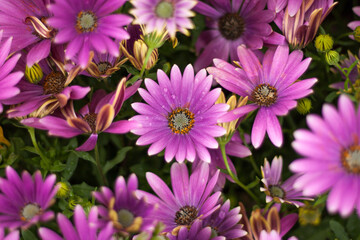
column 355, row 24
column 173, row 15
column 25, row 21
column 180, row 115
column 196, row 231
column 14, row 235
column 85, row 227
column 346, row 63
column 94, row 118
column 277, row 191
column 273, row 87
column 88, row 25
column 127, row 213
column 226, row 222
column 24, row 201
column 233, row 148
column 231, row 23
column 53, row 91
column 191, row 198
column 331, row 161
column 8, row 80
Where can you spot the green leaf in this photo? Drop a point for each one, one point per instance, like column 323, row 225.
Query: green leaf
column 321, row 200
column 339, row 230
column 28, row 235
column 83, row 190
column 329, row 98
column 120, row 156
column 85, row 155
column 30, row 149
column 71, row 165
column 57, row 167
column 352, row 226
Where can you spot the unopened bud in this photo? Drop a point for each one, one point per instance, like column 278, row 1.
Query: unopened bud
column 34, row 74
column 324, row 43
column 303, row 106
column 64, row 190
column 357, row 34
column 332, row 57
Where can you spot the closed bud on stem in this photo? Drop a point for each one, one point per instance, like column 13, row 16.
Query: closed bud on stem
column 64, row 190
column 324, row 43
column 34, row 74
column 332, row 57
column 357, row 34
column 303, row 106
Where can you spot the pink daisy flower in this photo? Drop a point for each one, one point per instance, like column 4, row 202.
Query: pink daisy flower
column 173, row 15
column 331, row 157
column 272, row 86
column 88, row 25
column 180, row 115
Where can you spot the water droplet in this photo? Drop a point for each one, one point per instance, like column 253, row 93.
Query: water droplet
column 172, row 96
column 165, row 89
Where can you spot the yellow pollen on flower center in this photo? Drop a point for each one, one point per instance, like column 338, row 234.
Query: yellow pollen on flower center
column 54, row 83
column 86, row 21
column 181, row 120
column 29, row 211
column 350, row 159
column 186, row 215
column 264, row 95
column 90, row 118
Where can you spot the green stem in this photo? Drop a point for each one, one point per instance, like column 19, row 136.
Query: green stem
column 45, row 160
column 147, row 57
column 267, row 207
column 251, row 157
column 232, row 175
column 100, row 170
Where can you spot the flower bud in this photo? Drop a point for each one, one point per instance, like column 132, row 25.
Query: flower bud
column 303, row 106
column 34, row 73
column 324, row 43
column 332, row 57
column 357, row 34
column 64, row 190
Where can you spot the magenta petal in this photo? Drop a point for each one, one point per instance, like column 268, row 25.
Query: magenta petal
column 47, row 234
column 89, row 144
column 259, row 128
column 273, row 128
column 38, row 52
column 121, row 127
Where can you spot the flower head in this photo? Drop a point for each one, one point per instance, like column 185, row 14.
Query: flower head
column 127, row 213
column 277, row 191
column 231, row 23
column 88, row 25
column 173, row 15
column 331, row 157
column 86, row 227
column 191, row 198
column 272, row 86
column 24, row 201
column 180, row 115
column 25, row 21
column 94, row 118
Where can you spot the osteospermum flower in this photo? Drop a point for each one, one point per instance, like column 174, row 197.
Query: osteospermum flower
column 331, row 157
column 127, row 213
column 25, row 21
column 158, row 14
column 180, row 115
column 232, row 23
column 94, row 118
column 86, row 227
column 196, row 231
column 346, row 63
column 24, row 201
column 225, row 222
column 88, row 25
column 191, row 198
column 8, row 80
column 277, row 191
column 272, row 86
column 14, row 235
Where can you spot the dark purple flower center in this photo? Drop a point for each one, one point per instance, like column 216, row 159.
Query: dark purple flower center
column 277, row 191
column 54, row 83
column 186, row 215
column 181, row 120
column 86, row 21
column 90, row 118
column 103, row 67
column 29, row 211
column 231, row 26
column 164, row 9
column 264, row 95
column 350, row 159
